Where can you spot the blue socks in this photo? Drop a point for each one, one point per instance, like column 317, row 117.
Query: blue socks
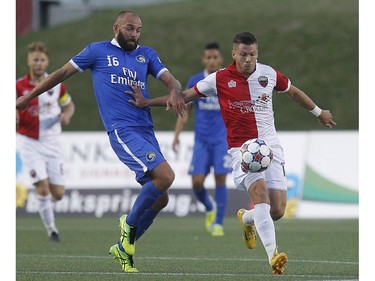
column 145, row 199
column 221, row 198
column 145, row 222
column 204, row 198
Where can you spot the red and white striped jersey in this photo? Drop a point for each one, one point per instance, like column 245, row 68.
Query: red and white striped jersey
column 42, row 116
column 246, row 104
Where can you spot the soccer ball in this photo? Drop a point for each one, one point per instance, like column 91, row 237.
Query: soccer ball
column 255, row 156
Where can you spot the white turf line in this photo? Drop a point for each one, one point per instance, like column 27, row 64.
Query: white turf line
column 353, row 278
column 181, row 258
column 188, row 274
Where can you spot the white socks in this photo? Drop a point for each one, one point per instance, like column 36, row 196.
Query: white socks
column 265, row 227
column 46, row 213
column 248, row 217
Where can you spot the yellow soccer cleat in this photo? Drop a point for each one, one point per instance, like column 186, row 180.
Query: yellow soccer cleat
column 217, row 230
column 127, row 237
column 210, row 219
column 125, row 260
column 249, row 235
column 278, row 262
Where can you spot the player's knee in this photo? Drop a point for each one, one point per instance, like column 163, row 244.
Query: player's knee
column 42, row 188
column 164, row 181
column 57, row 193
column 169, row 178
column 198, row 181
column 58, row 196
column 43, row 192
column 220, row 179
column 162, row 176
column 197, row 185
column 277, row 213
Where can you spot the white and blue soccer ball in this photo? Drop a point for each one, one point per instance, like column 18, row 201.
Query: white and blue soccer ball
column 255, row 156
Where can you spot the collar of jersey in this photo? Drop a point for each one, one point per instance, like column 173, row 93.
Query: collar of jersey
column 27, row 77
column 232, row 68
column 115, row 43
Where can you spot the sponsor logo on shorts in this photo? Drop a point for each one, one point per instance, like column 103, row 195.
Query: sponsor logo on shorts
column 150, row 156
column 33, row 173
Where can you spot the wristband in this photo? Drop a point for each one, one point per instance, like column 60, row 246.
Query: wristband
column 316, row 111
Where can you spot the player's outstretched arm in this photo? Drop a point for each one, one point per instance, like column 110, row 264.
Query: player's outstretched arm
column 324, row 116
column 140, row 101
column 52, row 80
column 174, row 100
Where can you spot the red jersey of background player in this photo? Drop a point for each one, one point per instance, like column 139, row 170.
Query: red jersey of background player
column 42, row 117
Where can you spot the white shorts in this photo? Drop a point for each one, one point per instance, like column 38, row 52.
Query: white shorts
column 43, row 159
column 274, row 175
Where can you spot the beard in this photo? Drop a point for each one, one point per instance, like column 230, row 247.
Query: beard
column 127, row 44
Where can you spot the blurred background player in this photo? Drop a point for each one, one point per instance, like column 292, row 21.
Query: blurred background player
column 39, row 128
column 210, row 145
column 115, row 66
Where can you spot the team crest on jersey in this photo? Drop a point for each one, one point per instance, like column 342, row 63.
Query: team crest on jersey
column 263, row 81
column 50, row 92
column 150, row 156
column 140, row 58
column 25, row 93
column 232, row 84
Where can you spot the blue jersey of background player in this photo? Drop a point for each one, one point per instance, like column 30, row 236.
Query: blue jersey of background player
column 210, row 145
column 116, row 66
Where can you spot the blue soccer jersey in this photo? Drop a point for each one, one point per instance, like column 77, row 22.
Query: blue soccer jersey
column 130, row 129
column 113, row 70
column 209, row 124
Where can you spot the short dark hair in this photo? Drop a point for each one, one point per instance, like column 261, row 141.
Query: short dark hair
column 246, row 38
column 121, row 14
column 212, row 46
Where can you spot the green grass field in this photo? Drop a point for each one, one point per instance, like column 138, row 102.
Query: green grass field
column 180, row 249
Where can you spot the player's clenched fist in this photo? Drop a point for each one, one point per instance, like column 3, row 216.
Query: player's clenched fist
column 21, row 103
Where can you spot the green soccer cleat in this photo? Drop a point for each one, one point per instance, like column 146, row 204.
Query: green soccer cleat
column 277, row 262
column 217, row 230
column 249, row 235
column 127, row 237
column 125, row 260
column 210, row 219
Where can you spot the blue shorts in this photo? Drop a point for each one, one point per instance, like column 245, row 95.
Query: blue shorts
column 138, row 149
column 207, row 155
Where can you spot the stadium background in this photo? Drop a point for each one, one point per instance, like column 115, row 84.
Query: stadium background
column 314, row 44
